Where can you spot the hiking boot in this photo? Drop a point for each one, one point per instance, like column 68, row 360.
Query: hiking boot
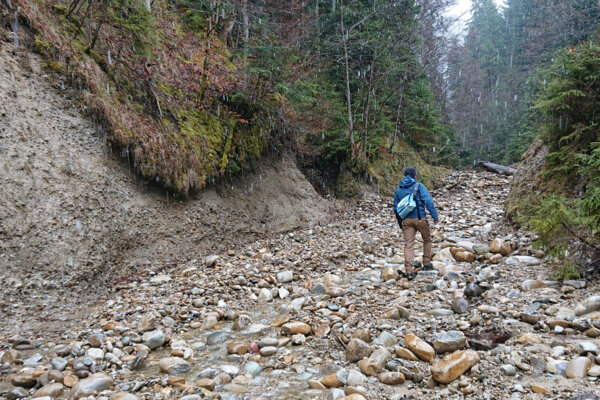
column 417, row 264
column 411, row 275
column 427, row 267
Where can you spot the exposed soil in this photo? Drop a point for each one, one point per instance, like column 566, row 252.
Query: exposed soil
column 74, row 220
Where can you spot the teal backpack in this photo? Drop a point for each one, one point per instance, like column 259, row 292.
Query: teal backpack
column 408, row 203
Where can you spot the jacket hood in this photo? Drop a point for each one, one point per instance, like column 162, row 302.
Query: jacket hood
column 408, row 181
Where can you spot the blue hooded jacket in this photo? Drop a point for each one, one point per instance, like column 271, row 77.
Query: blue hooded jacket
column 423, row 199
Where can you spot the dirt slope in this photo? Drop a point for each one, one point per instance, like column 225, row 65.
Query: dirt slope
column 73, row 218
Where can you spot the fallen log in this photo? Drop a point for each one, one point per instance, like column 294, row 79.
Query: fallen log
column 497, row 168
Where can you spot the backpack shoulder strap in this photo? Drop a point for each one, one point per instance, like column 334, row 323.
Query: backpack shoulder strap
column 415, row 191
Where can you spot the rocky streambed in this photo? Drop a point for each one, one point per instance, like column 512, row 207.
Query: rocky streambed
column 326, row 313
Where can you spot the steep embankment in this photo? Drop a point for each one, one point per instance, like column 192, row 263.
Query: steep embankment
column 527, row 179
column 73, row 219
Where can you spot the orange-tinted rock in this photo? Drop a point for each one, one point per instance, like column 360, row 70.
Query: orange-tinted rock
column 369, row 367
column 464, row 256
column 363, row 334
column 529, row 338
column 237, row 348
column 331, row 381
column 419, row 347
column 499, row 246
column 391, row 378
column 292, row 328
column 406, row 354
column 280, row 321
column 454, row 365
column 535, row 388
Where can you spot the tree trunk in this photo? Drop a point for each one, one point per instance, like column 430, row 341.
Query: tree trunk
column 348, row 94
column 97, row 32
column 365, row 135
column 397, row 127
column 497, row 168
column 245, row 20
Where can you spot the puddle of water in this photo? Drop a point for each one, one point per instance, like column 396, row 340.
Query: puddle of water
column 270, row 384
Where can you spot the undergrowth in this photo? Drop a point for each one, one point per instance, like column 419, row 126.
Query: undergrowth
column 566, row 212
column 166, row 88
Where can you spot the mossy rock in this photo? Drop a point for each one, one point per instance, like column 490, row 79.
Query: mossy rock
column 59, row 8
column 347, row 186
column 55, row 66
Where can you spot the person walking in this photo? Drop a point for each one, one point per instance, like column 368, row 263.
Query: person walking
column 415, row 221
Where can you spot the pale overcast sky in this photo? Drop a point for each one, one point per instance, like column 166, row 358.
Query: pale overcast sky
column 462, row 9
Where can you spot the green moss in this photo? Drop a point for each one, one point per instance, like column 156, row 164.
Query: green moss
column 347, row 186
column 42, row 46
column 101, row 61
column 388, row 170
column 59, row 8
column 55, row 66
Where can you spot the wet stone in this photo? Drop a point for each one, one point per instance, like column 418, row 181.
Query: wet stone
column 252, row 368
column 216, row 338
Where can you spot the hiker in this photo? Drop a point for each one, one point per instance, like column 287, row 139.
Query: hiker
column 415, row 220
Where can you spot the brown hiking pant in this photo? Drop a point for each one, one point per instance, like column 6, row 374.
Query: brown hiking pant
column 410, row 226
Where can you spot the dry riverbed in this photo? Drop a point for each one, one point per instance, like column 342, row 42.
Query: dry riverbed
column 325, row 313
